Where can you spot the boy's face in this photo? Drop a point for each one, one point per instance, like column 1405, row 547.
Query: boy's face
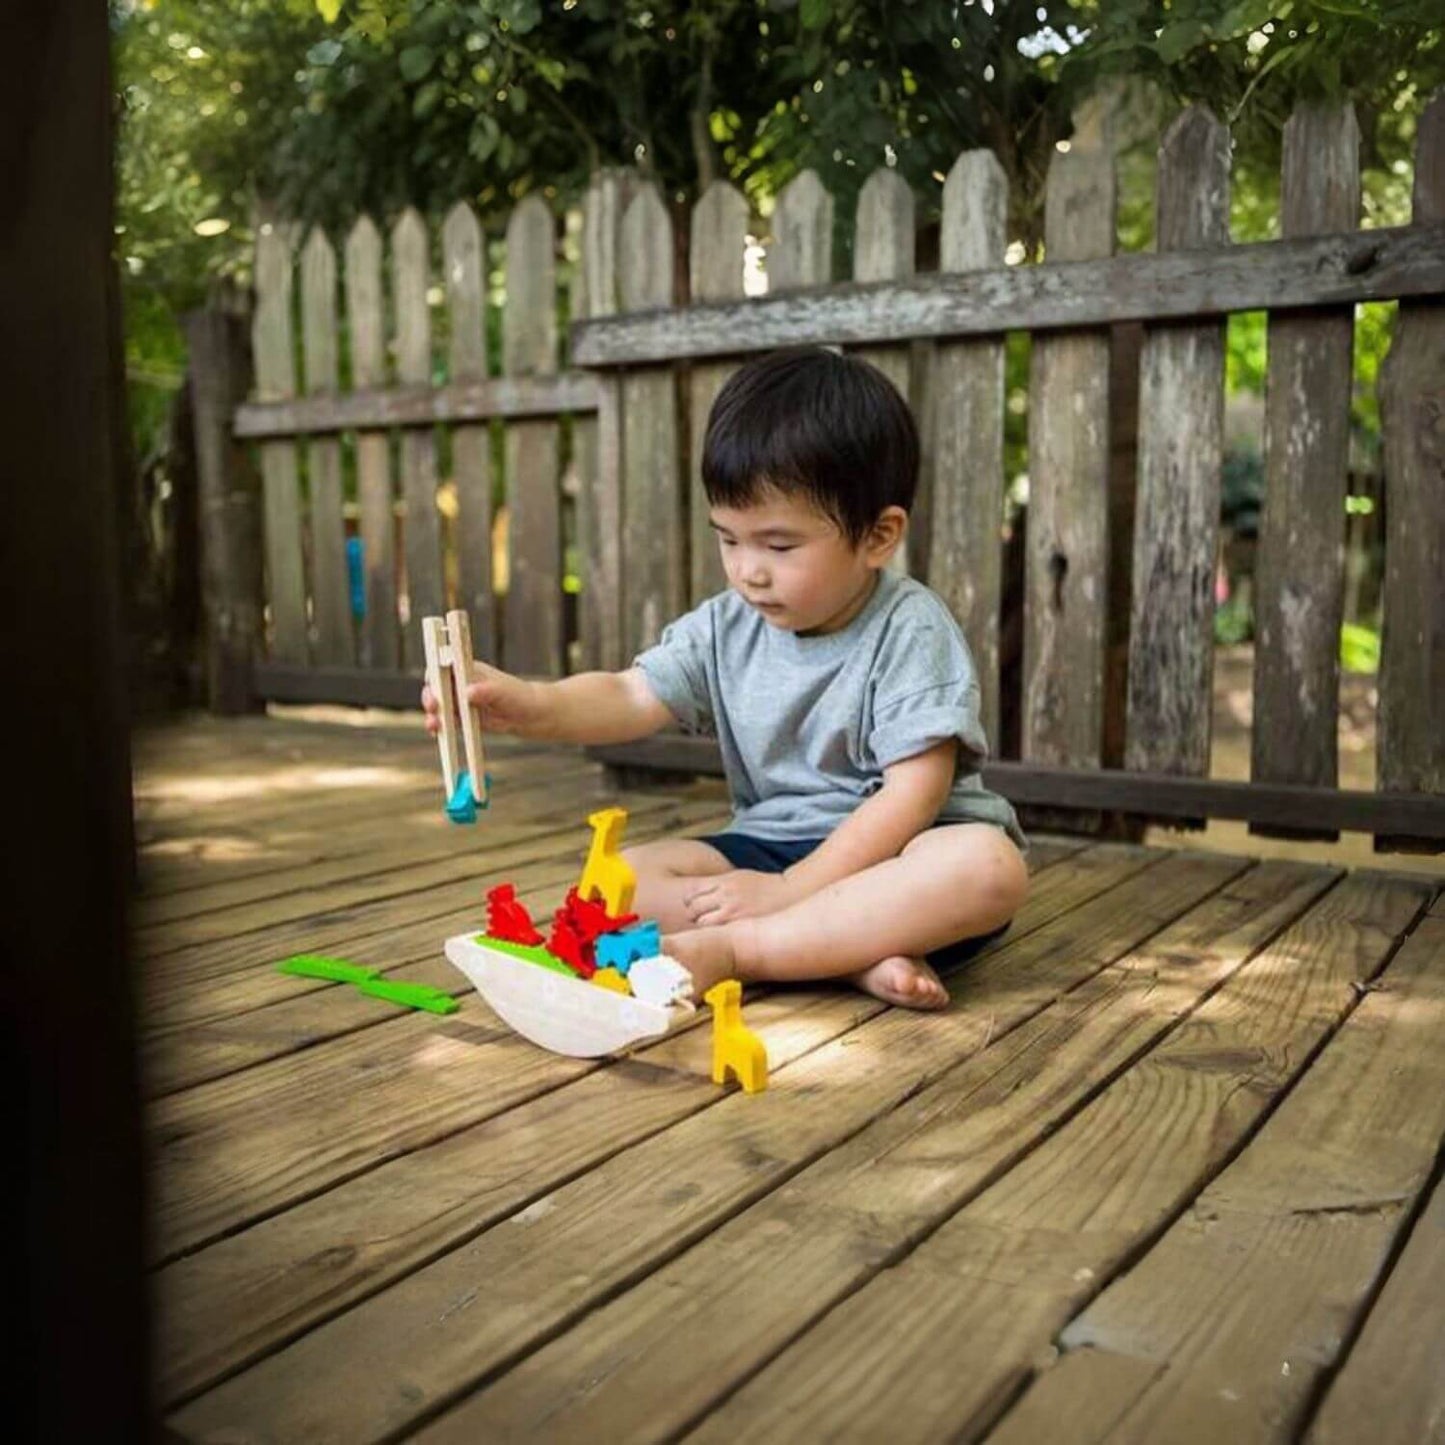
column 794, row 565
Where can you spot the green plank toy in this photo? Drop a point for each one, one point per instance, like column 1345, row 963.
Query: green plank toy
column 368, row 981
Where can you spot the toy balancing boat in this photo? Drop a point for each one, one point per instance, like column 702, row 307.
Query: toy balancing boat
column 548, row 1004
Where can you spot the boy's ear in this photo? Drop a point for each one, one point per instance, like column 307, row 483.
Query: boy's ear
column 885, row 536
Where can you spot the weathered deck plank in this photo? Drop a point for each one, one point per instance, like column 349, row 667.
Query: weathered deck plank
column 1392, row 1388
column 855, row 1212
column 457, row 1189
column 963, row 1319
column 368, row 1222
column 629, row 1216
column 412, row 830
column 1233, row 1317
column 221, row 978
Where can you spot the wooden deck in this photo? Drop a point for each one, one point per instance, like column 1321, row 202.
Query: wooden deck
column 1168, row 1170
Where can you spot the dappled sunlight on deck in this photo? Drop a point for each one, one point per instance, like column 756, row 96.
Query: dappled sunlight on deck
column 367, row 1219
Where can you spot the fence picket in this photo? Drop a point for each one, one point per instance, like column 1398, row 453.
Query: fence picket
column 802, row 250
column 883, row 251
column 533, row 619
column 462, row 264
column 411, row 271
column 965, row 558
column 271, row 339
column 331, row 602
column 1306, row 453
column 1066, row 587
column 1181, row 454
column 719, row 235
column 654, row 573
column 598, row 440
column 1412, row 662
column 380, row 635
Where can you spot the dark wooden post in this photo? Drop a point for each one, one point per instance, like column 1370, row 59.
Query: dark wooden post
column 230, row 510
column 75, row 1287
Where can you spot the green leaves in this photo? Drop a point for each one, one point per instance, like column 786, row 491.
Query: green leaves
column 329, row 9
column 814, row 13
column 415, row 61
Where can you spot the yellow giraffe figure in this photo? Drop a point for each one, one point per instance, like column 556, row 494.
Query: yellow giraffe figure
column 734, row 1046
column 606, row 874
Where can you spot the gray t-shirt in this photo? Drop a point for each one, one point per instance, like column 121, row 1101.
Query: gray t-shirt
column 808, row 723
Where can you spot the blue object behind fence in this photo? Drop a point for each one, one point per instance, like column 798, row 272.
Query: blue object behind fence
column 356, row 576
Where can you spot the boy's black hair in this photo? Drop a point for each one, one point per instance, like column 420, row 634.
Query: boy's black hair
column 809, row 422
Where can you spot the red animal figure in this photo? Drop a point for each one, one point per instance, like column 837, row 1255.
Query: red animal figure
column 591, row 919
column 568, row 945
column 507, row 918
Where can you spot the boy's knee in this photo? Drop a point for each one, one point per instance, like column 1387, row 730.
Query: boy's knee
column 1004, row 879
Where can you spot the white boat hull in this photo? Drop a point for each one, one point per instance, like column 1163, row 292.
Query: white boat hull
column 566, row 1015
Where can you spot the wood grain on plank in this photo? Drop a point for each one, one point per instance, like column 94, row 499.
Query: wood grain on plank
column 1299, row 570
column 965, row 1318
column 380, row 641
column 801, row 255
column 266, row 1015
column 464, row 265
column 965, row 564
column 534, row 635
column 765, row 1275
column 271, row 341
column 409, row 832
column 331, row 602
column 246, row 1296
column 626, row 1217
column 1412, row 402
column 654, row 571
column 1391, row 1389
column 1068, row 546
column 290, row 1269
column 1248, row 1297
column 599, row 439
column 411, row 280
column 210, row 1048
column 1313, row 271
column 556, row 820
column 717, row 241
column 221, row 978
column 1181, row 455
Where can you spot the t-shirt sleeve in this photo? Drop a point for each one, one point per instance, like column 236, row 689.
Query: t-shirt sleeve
column 925, row 690
column 679, row 669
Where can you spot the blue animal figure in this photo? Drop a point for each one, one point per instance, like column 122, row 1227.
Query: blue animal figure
column 622, row 949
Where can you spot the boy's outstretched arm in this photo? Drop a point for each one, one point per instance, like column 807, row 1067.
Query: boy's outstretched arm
column 913, row 791
column 588, row 707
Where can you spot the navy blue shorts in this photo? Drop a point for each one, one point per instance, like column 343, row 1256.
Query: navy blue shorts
column 770, row 855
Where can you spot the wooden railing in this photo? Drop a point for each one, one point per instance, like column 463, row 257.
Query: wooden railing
column 1140, row 673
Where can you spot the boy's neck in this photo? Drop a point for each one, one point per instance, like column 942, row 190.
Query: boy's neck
column 848, row 613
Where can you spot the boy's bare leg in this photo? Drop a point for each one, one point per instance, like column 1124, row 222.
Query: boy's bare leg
column 949, row 883
column 665, row 868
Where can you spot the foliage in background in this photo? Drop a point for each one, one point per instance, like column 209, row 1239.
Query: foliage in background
column 322, row 108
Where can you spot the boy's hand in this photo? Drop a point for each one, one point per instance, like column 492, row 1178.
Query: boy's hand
column 507, row 704
column 742, row 893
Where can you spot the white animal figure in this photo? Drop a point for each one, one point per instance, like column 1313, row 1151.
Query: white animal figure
column 662, row 981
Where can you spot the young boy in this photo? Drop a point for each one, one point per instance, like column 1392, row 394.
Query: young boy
column 842, row 695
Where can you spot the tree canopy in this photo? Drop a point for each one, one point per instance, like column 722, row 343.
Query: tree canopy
column 318, row 109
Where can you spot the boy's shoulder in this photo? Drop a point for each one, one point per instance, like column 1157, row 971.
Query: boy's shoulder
column 913, row 604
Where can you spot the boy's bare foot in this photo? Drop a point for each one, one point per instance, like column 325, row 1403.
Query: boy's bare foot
column 906, row 982
column 706, row 953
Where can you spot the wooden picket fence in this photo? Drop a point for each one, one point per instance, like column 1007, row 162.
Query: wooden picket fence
column 643, row 373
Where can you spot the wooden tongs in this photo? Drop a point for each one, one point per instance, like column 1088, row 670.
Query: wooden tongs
column 448, row 644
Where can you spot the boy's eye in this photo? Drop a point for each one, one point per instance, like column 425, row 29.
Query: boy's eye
column 782, row 546
column 728, row 541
